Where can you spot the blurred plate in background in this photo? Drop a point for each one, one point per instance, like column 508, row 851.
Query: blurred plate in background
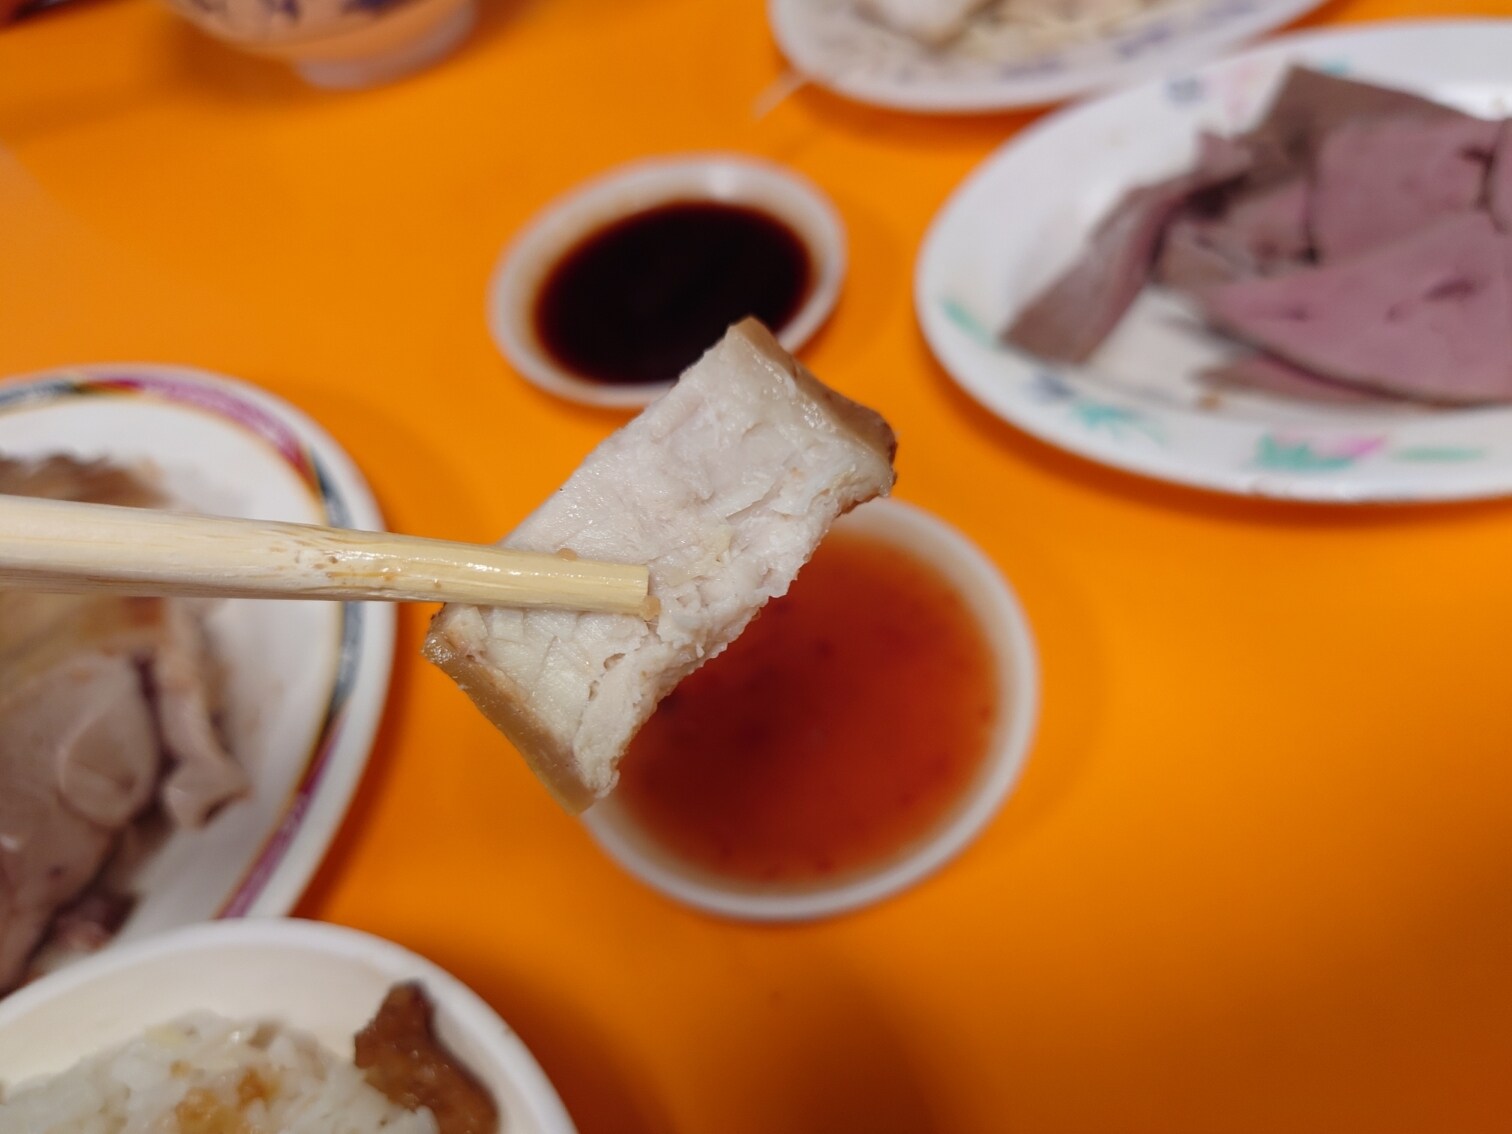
column 835, row 44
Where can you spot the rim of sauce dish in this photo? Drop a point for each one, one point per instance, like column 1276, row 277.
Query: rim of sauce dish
column 578, row 215
column 1002, row 623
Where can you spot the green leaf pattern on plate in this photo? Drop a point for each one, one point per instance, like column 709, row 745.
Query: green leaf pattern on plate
column 1118, row 422
column 1048, row 387
column 1274, row 451
column 1288, row 453
column 958, row 313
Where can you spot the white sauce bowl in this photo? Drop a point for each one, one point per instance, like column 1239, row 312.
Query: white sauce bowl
column 730, row 179
column 1002, row 622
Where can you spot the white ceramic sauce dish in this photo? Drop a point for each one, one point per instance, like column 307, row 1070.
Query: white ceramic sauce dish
column 1006, row 629
column 730, row 179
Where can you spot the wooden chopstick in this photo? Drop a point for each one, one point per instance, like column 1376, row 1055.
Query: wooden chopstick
column 53, row 545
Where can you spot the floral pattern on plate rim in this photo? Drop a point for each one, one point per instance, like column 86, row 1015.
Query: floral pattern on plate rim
column 1291, row 451
column 227, row 404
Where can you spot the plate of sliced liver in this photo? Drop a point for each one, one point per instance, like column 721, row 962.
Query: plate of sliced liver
column 1286, row 274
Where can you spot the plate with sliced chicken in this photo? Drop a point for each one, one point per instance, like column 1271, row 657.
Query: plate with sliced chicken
column 945, row 56
column 1287, row 274
column 171, row 761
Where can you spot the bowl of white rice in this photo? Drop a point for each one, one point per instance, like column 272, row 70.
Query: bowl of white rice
column 259, row 1015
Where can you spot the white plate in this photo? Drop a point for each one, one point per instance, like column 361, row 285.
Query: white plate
column 321, row 979
column 1027, row 211
column 831, row 43
column 306, row 681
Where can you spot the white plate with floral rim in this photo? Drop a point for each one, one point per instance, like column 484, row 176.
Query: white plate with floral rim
column 305, row 682
column 834, row 43
column 1025, row 213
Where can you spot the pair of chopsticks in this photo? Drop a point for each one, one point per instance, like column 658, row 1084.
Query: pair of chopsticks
column 53, row 545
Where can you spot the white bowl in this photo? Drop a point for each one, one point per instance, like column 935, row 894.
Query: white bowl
column 339, row 44
column 724, row 178
column 1007, row 631
column 321, row 979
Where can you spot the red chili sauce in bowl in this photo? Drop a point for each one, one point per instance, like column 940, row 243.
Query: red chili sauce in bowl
column 842, row 728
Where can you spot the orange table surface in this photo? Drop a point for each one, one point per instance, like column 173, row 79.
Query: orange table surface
column 1258, row 874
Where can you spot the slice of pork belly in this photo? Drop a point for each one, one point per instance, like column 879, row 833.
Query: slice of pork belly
column 724, row 486
column 1069, row 320
column 1429, row 316
column 1258, row 232
column 1378, row 179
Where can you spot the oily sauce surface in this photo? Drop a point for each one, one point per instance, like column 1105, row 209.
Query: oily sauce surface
column 642, row 298
column 836, row 731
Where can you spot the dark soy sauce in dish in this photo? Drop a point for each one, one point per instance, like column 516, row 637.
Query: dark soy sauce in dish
column 640, row 299
column 844, row 726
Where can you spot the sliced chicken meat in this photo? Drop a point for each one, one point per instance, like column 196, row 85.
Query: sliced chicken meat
column 106, row 710
column 202, row 775
column 79, row 759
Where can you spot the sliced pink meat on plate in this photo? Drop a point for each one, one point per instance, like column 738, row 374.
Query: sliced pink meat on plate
column 1429, row 316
